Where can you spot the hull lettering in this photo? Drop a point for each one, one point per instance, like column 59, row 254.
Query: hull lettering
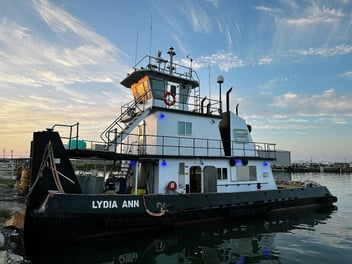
column 130, row 204
column 104, row 204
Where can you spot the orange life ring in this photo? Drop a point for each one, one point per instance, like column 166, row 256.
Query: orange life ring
column 171, row 186
column 166, row 98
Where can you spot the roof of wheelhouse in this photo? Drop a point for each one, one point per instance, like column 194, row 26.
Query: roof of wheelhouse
column 138, row 74
column 162, row 69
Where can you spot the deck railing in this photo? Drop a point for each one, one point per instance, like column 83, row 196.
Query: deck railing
column 153, row 145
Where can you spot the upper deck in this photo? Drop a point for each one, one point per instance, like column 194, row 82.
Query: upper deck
column 163, row 69
column 156, row 81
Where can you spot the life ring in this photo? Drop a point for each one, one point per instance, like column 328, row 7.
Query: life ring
column 167, row 100
column 171, row 186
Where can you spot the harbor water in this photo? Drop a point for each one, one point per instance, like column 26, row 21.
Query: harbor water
column 307, row 235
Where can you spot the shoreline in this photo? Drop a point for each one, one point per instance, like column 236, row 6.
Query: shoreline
column 322, row 169
column 11, row 223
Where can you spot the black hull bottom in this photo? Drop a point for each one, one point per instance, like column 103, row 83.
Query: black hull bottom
column 46, row 230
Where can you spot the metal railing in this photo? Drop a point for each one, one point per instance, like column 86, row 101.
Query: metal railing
column 72, row 137
column 167, row 67
column 154, row 145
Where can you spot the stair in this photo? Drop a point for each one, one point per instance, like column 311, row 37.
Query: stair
column 131, row 114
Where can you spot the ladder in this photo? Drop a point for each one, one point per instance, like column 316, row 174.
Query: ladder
column 130, row 113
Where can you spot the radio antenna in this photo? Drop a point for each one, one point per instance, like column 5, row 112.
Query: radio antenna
column 150, row 35
column 209, row 81
column 135, row 60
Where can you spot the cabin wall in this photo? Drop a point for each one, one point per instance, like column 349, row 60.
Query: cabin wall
column 168, row 171
column 235, row 181
column 192, row 142
column 240, row 135
column 239, row 182
column 202, row 141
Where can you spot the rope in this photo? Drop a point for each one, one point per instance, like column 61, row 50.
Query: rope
column 161, row 213
column 40, row 171
column 49, row 155
column 54, row 170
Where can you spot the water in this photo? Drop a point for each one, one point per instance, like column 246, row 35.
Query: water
column 297, row 236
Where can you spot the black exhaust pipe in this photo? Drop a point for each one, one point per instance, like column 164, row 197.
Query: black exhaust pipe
column 228, row 100
column 202, row 104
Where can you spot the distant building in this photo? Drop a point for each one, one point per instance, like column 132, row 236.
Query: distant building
column 342, row 165
column 283, row 159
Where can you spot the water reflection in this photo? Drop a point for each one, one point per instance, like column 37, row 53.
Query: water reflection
column 236, row 241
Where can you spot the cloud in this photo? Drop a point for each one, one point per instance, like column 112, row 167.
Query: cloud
column 347, row 75
column 326, row 104
column 265, row 60
column 305, row 14
column 340, row 121
column 324, row 52
column 224, row 60
column 195, row 13
column 309, row 28
column 81, row 56
column 269, row 10
column 55, row 70
column 316, row 14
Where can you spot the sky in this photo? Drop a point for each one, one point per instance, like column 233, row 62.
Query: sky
column 289, row 63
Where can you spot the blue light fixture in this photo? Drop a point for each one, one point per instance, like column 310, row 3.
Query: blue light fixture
column 238, row 162
column 163, row 163
column 161, row 115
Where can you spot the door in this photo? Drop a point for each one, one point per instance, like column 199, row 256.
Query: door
column 195, row 179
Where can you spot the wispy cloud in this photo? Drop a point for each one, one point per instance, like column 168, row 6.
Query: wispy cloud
column 269, row 10
column 319, row 28
column 324, row 52
column 305, row 14
column 198, row 17
column 224, row 60
column 316, row 14
column 347, row 74
column 67, row 75
column 265, row 60
column 328, row 103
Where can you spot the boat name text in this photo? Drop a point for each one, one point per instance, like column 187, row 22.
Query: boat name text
column 101, row 204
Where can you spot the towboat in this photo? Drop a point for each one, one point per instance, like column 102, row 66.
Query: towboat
column 170, row 158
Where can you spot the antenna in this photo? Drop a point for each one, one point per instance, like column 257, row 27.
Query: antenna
column 135, row 59
column 209, row 80
column 150, row 35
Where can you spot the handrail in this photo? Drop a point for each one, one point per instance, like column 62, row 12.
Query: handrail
column 154, row 145
column 70, row 137
column 163, row 65
column 126, row 109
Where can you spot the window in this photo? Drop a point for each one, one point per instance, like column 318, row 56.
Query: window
column 158, row 88
column 222, row 173
column 246, row 173
column 184, row 128
column 173, row 89
column 141, row 90
column 184, row 91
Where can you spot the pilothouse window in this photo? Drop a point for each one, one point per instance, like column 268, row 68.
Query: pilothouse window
column 158, row 88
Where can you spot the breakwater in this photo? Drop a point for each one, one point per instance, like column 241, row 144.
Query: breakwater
column 326, row 169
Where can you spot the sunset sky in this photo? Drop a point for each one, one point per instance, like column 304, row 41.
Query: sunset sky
column 289, row 63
